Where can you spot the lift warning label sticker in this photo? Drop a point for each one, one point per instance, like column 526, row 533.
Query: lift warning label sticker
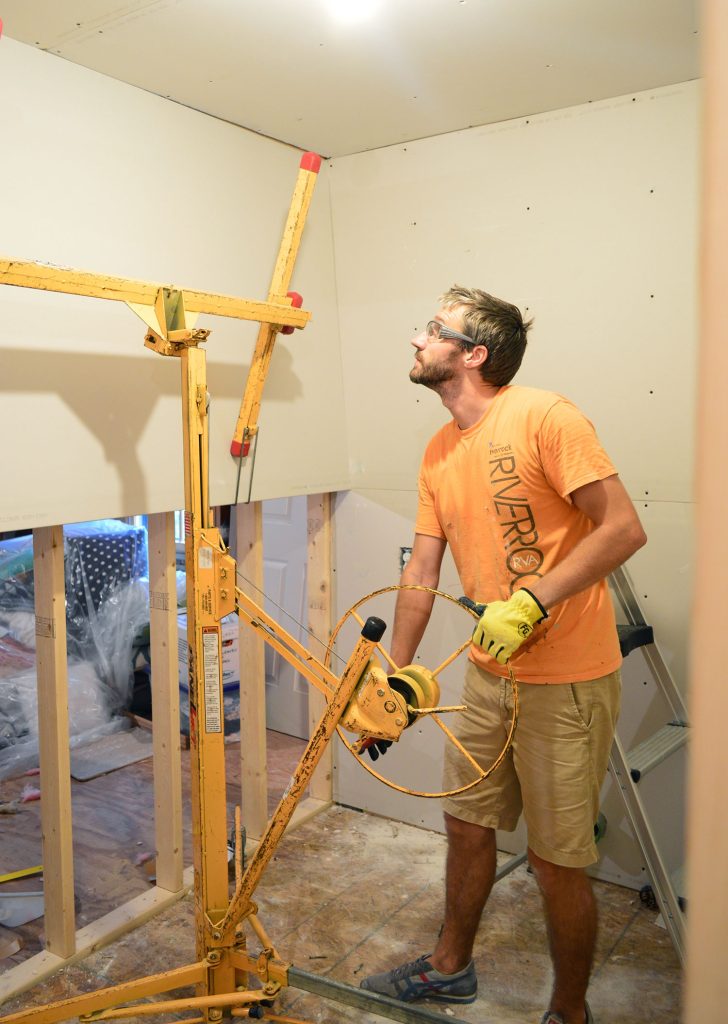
column 211, row 668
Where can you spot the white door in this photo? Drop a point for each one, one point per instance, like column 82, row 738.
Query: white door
column 284, row 562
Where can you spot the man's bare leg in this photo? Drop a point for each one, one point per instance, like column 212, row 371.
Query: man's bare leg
column 470, row 870
column 571, row 918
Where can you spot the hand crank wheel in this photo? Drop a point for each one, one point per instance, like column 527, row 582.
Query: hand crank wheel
column 422, row 690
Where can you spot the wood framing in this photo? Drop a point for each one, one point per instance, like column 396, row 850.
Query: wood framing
column 165, row 701
column 67, row 945
column 706, row 993
column 100, row 933
column 53, row 739
column 319, row 578
column 173, row 882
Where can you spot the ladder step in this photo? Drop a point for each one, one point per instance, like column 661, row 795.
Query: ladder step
column 652, row 751
column 633, row 636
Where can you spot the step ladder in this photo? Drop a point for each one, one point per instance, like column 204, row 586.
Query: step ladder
column 629, row 767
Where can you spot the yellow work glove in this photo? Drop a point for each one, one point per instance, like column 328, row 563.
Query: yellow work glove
column 504, row 625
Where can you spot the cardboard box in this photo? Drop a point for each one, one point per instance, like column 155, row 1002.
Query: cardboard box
column 230, row 653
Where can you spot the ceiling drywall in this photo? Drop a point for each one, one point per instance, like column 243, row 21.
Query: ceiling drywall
column 343, row 76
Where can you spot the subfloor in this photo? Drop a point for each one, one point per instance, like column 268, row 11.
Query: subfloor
column 348, row 894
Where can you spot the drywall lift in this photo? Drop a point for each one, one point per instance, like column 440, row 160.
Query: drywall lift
column 361, row 697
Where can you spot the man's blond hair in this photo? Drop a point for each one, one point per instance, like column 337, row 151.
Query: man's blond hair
column 494, row 323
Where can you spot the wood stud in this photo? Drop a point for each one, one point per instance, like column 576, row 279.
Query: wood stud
column 165, row 701
column 53, row 739
column 319, row 622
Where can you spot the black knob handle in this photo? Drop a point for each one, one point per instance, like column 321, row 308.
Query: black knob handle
column 374, row 629
column 477, row 608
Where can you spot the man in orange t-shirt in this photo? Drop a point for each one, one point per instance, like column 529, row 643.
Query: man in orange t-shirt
column 519, row 487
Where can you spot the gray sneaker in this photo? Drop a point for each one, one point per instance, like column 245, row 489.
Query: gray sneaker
column 420, row 980
column 555, row 1018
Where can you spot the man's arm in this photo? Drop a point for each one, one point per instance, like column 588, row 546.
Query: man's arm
column 617, row 536
column 618, row 533
column 412, row 611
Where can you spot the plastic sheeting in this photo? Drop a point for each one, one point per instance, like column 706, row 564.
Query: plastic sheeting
column 107, row 607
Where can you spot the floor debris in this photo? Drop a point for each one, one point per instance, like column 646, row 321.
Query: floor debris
column 10, row 943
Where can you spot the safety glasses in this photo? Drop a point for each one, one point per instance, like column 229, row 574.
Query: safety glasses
column 439, row 332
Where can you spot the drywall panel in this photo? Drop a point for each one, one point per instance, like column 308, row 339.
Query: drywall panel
column 586, row 218
column 101, row 176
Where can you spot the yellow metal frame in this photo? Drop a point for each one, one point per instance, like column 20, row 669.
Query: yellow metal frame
column 432, row 713
column 223, row 965
column 43, row 277
column 220, row 972
column 247, row 425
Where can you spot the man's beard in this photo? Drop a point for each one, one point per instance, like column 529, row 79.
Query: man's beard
column 434, row 375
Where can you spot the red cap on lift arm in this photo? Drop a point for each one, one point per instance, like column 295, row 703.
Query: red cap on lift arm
column 311, row 162
column 237, row 449
column 296, row 302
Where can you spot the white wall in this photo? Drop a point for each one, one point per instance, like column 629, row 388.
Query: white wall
column 585, row 218
column 101, row 176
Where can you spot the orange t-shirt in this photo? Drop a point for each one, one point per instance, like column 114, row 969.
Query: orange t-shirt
column 498, row 493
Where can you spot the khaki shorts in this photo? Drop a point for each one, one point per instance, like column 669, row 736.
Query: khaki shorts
column 554, row 769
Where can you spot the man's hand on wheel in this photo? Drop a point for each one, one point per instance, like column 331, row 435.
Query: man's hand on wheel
column 504, row 625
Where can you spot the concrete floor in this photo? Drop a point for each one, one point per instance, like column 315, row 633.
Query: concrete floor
column 348, row 894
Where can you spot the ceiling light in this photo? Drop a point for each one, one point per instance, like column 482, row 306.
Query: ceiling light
column 353, row 11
